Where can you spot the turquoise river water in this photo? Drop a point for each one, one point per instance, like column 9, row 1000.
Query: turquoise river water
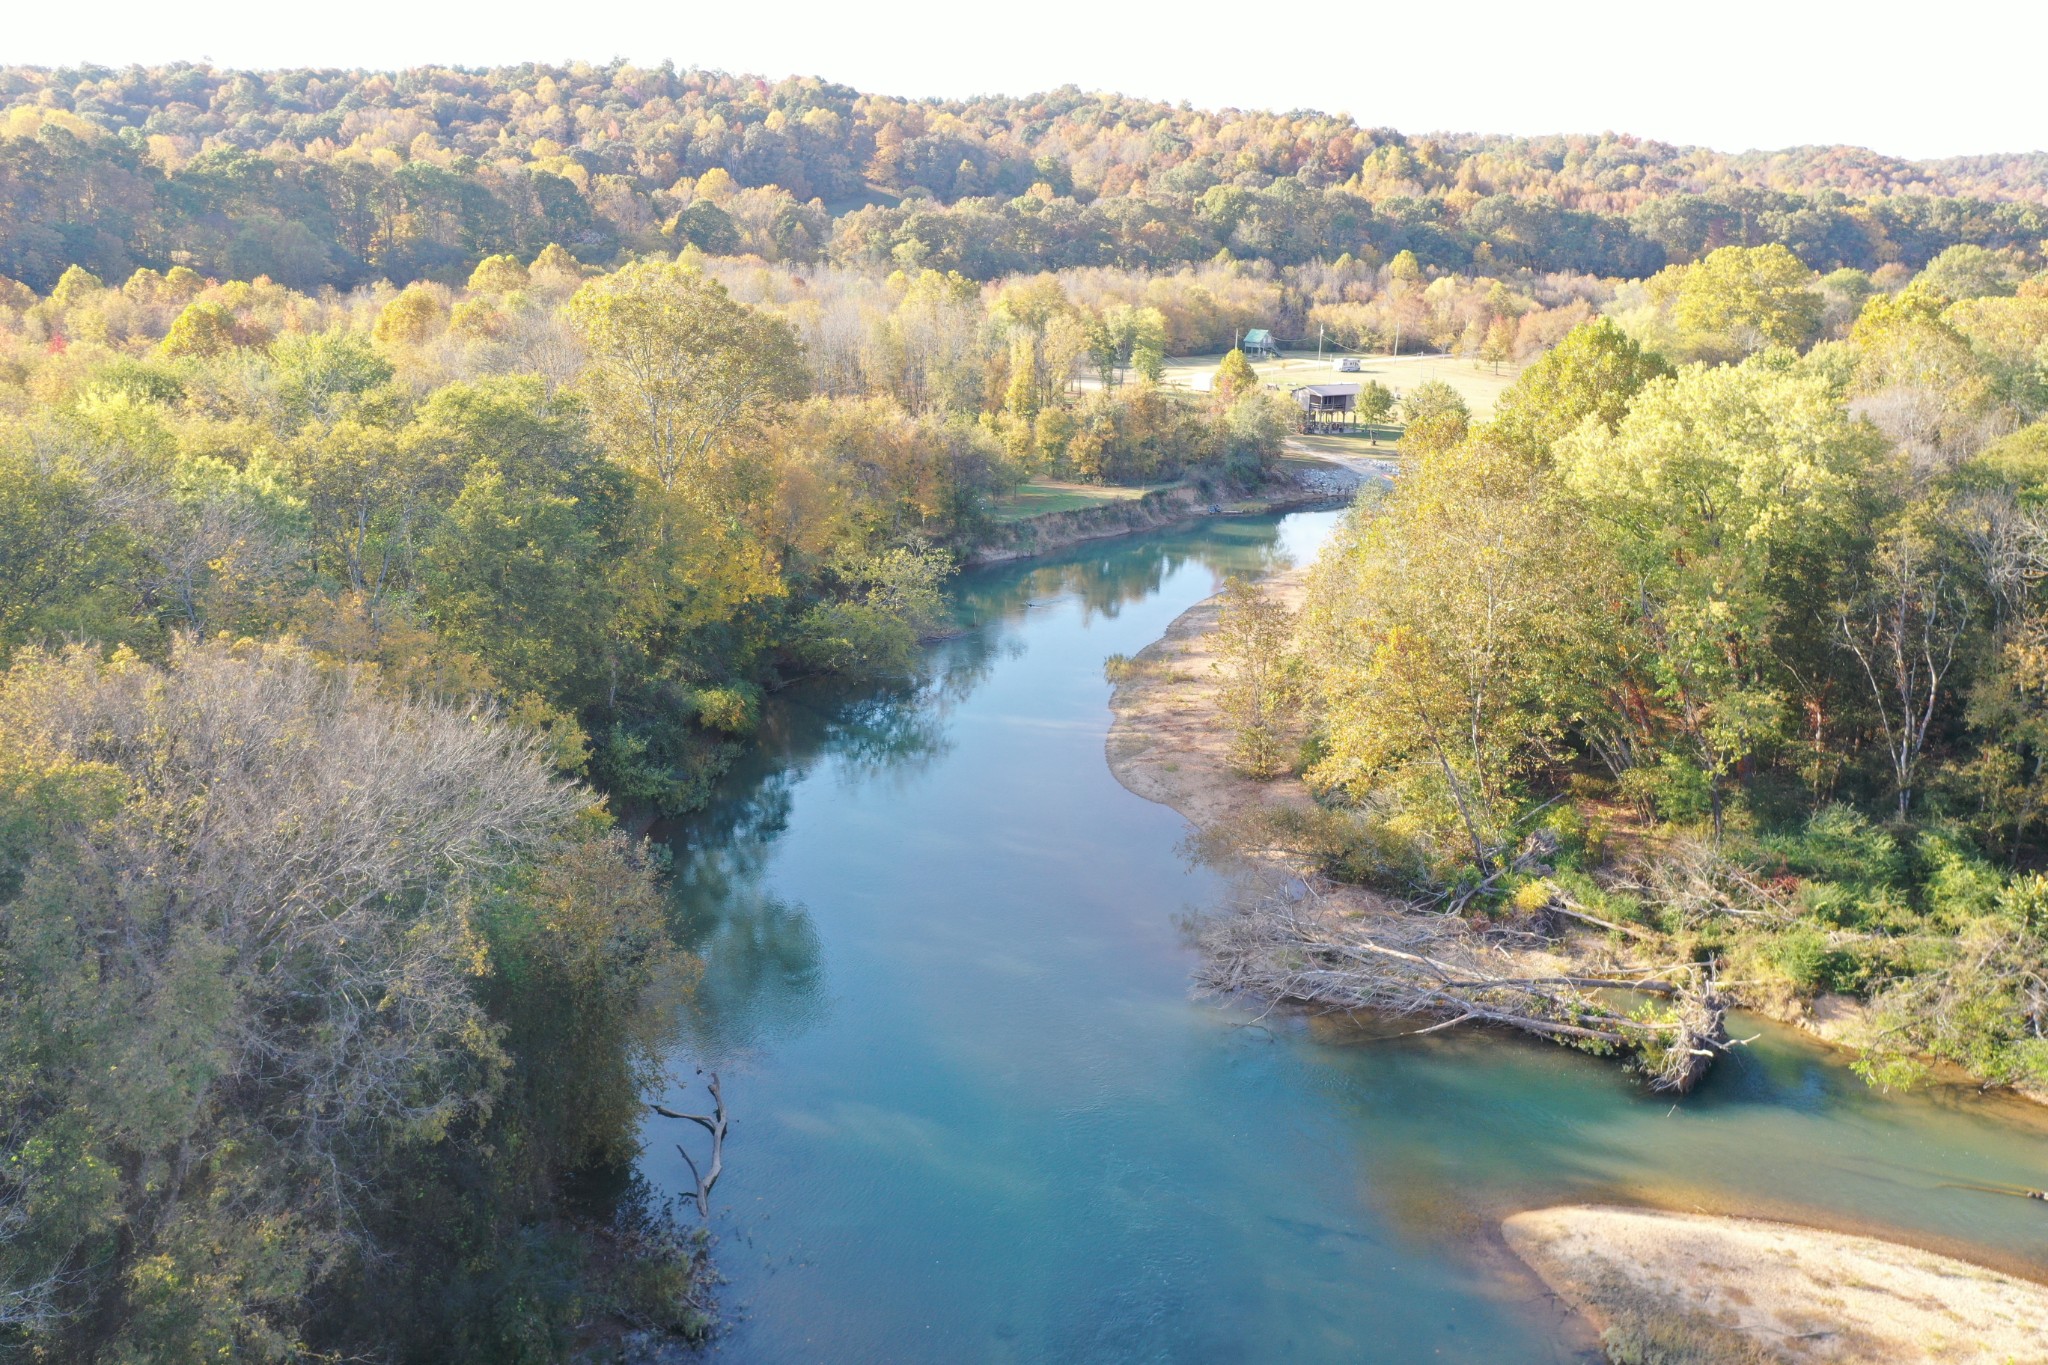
column 977, row 1116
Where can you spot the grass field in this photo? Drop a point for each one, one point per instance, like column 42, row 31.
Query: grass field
column 1380, row 444
column 1479, row 385
column 1039, row 497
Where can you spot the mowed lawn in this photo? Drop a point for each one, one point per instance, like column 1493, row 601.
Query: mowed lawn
column 1478, row 384
column 1376, row 443
column 1040, row 497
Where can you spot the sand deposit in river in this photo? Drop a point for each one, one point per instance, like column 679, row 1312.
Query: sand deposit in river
column 1689, row 1287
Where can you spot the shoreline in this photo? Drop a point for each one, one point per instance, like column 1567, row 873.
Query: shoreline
column 1165, row 745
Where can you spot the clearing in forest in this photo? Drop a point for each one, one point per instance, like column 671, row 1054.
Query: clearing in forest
column 1478, row 384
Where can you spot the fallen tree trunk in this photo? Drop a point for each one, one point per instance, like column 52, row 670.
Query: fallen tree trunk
column 1409, row 961
column 714, row 1124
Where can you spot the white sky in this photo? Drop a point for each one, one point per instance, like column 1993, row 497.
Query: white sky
column 1935, row 79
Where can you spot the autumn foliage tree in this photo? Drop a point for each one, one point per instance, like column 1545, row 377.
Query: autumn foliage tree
column 251, row 917
column 1257, row 688
column 679, row 373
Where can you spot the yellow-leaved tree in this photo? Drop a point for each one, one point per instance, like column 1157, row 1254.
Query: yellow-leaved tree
column 680, row 374
column 1449, row 631
column 1708, row 493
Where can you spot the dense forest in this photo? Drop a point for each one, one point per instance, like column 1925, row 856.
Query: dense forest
column 343, row 177
column 342, row 628
column 1718, row 636
column 621, row 505
column 409, row 484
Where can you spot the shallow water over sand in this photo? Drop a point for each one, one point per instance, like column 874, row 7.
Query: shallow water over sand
column 976, row 1116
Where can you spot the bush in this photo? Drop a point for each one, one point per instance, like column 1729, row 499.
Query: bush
column 732, row 710
column 1350, row 846
column 1573, row 833
column 856, row 639
column 1839, row 844
column 1979, row 1006
column 1957, row 885
column 1675, row 789
column 662, row 764
column 1803, row 954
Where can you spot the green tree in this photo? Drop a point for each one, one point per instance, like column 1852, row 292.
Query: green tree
column 1022, row 397
column 75, row 286
column 1256, row 690
column 1375, row 401
column 679, row 373
column 320, row 374
column 1739, row 300
column 1255, row 432
column 515, row 574
column 369, row 498
column 414, row 318
column 707, row 227
column 1435, row 415
column 1843, row 294
column 1447, row 630
column 2006, row 778
column 884, row 605
column 1499, row 342
column 497, row 275
column 1596, row 371
column 1234, row 377
column 1967, row 271
column 58, row 549
column 1714, row 479
column 202, row 329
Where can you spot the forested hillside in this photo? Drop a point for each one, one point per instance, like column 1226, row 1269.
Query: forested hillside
column 342, row 177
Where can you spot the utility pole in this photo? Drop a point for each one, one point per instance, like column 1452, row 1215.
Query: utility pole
column 1319, row 345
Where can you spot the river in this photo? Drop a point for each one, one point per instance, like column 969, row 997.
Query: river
column 977, row 1117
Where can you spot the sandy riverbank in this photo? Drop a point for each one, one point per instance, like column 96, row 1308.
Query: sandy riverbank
column 1695, row 1288
column 1167, row 743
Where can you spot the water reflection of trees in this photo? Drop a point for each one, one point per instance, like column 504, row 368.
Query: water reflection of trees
column 763, row 978
column 1105, row 576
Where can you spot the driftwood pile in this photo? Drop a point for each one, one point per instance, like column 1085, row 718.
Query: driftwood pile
column 1300, row 945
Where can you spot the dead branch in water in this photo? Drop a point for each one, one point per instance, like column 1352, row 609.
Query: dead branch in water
column 1411, row 961
column 714, row 1124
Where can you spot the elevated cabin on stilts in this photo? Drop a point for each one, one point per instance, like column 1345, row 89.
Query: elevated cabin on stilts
column 1327, row 407
column 1258, row 343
